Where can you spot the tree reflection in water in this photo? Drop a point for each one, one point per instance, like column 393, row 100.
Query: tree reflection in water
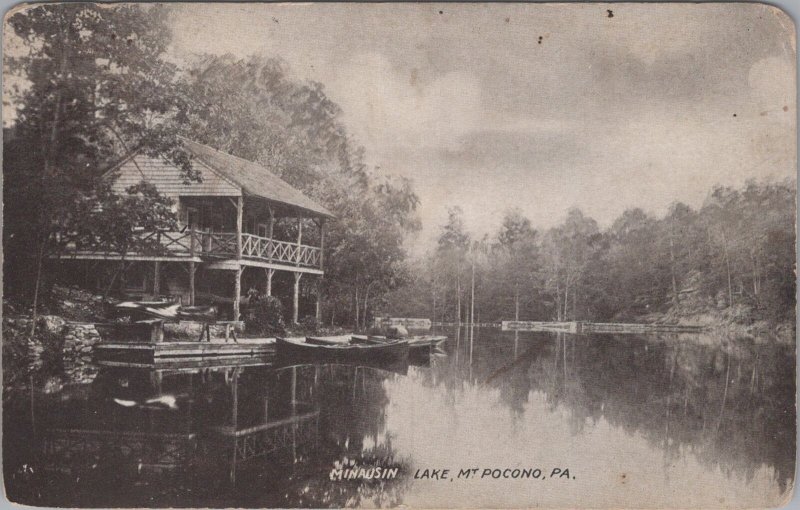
column 686, row 421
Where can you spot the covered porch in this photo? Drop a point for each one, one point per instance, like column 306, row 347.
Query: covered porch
column 241, row 228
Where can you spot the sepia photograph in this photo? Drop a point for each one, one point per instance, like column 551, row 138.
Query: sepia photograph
column 417, row 255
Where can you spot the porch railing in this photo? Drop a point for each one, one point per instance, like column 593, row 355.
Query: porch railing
column 175, row 241
column 221, row 245
column 158, row 242
column 262, row 248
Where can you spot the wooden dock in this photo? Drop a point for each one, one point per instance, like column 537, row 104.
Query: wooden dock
column 578, row 327
column 152, row 352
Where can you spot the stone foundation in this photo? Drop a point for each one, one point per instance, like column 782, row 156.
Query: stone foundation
column 79, row 340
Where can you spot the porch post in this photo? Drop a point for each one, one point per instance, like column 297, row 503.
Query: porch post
column 239, row 210
column 237, row 293
column 192, row 269
column 271, row 222
column 318, row 304
column 299, row 231
column 322, row 243
column 296, row 303
column 299, row 239
column 156, row 278
column 270, row 273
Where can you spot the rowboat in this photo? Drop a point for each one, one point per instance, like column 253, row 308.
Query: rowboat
column 321, row 349
column 418, row 346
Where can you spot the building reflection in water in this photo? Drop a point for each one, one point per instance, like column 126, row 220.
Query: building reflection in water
column 209, row 432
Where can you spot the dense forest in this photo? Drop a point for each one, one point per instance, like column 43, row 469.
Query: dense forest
column 734, row 257
column 90, row 84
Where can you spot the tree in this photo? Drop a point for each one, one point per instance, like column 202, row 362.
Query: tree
column 252, row 108
column 517, row 256
column 515, row 229
column 568, row 249
column 749, row 232
column 637, row 267
column 95, row 88
column 451, row 251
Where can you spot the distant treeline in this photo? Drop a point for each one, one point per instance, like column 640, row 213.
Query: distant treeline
column 735, row 254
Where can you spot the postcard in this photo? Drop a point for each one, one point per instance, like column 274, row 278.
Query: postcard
column 418, row 255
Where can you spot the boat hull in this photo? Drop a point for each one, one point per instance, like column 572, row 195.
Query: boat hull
column 383, row 354
column 419, row 347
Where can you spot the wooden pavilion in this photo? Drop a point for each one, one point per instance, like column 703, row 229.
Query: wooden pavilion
column 226, row 241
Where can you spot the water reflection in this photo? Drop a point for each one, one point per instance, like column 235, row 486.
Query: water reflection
column 686, row 421
column 687, row 424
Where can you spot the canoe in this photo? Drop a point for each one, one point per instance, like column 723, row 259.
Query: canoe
column 166, row 311
column 300, row 350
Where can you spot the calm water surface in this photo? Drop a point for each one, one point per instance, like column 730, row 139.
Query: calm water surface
column 686, row 422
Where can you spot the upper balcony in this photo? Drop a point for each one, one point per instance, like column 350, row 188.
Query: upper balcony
column 226, row 220
column 223, row 245
column 191, row 245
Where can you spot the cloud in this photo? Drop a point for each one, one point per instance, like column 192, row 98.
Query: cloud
column 601, row 113
column 388, row 106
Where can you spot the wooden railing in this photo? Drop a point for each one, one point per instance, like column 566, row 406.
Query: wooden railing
column 158, row 242
column 221, row 245
column 262, row 248
column 175, row 241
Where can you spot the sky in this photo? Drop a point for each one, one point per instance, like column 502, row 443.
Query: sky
column 541, row 107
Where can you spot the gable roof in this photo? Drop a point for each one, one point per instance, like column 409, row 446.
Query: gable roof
column 168, row 180
column 253, row 178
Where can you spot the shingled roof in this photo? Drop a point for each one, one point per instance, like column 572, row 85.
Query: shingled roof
column 254, row 178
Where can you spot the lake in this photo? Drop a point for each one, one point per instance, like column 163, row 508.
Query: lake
column 535, row 419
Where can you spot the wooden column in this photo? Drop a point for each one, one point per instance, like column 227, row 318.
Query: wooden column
column 271, row 222
column 322, row 243
column 192, row 240
column 294, row 385
column 270, row 273
column 237, row 297
column 296, row 302
column 299, row 230
column 156, row 278
column 192, row 269
column 318, row 304
column 299, row 238
column 156, row 379
column 239, row 211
